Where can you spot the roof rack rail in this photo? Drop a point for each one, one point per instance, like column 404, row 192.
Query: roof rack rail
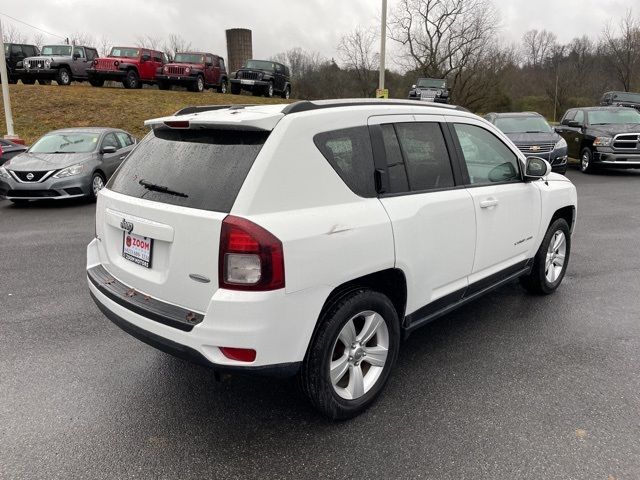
column 306, row 105
column 209, row 108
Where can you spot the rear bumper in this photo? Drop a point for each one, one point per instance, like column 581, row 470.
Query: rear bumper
column 278, row 326
column 52, row 188
column 616, row 159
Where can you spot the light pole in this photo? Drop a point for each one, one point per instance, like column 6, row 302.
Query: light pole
column 5, row 89
column 383, row 43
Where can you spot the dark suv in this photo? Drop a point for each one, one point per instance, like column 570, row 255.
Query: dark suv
column 602, row 136
column 62, row 63
column 533, row 136
column 133, row 66
column 14, row 54
column 430, row 90
column 621, row 99
column 196, row 71
column 262, row 77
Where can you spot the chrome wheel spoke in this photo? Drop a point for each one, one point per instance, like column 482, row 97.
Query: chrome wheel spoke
column 348, row 334
column 372, row 323
column 559, row 242
column 355, row 388
column 338, row 368
column 376, row 356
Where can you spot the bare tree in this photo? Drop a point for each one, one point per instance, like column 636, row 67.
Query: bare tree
column 623, row 51
column 357, row 52
column 174, row 44
column 537, row 46
column 148, row 41
column 12, row 34
column 104, row 46
column 443, row 37
column 38, row 40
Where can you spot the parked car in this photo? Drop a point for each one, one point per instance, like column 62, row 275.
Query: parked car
column 531, row 133
column 602, row 137
column 74, row 162
column 9, row 149
column 309, row 238
column 14, row 54
column 430, row 90
column 621, row 99
column 194, row 70
column 133, row 66
column 62, row 63
column 262, row 77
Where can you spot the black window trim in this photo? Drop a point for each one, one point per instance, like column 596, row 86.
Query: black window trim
column 382, row 168
column 463, row 166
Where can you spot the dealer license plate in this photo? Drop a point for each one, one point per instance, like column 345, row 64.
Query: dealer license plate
column 137, row 249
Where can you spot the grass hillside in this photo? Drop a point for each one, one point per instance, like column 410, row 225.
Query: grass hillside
column 38, row 109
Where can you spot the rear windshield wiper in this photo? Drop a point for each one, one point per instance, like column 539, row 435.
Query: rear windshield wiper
column 161, row 188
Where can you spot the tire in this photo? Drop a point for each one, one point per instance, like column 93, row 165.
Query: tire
column 554, row 251
column 268, row 91
column 97, row 82
column 64, row 77
column 198, row 86
column 287, row 92
column 586, row 161
column 131, row 80
column 97, row 184
column 235, row 89
column 44, row 82
column 29, row 81
column 222, row 88
column 343, row 323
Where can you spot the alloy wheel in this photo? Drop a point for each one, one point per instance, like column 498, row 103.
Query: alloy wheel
column 556, row 254
column 64, row 76
column 359, row 355
column 97, row 185
column 585, row 161
column 200, row 84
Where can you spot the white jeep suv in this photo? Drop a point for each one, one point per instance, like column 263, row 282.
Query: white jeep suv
column 310, row 238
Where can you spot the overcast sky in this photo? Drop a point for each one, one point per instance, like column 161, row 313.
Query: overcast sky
column 279, row 25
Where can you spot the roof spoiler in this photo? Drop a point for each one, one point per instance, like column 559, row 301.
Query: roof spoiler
column 209, row 108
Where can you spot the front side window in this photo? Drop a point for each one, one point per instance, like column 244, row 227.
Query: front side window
column 568, row 117
column 349, row 152
column 579, row 117
column 79, row 51
column 66, row 142
column 110, row 140
column 487, row 159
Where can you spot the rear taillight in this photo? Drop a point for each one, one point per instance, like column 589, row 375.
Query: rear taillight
column 251, row 258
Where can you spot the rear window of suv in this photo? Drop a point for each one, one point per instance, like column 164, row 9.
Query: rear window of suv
column 203, row 168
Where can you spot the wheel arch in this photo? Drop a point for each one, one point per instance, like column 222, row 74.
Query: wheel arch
column 567, row 213
column 390, row 282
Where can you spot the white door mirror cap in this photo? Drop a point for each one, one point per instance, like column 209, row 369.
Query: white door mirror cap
column 536, row 167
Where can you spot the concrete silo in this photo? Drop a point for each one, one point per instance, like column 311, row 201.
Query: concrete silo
column 239, row 48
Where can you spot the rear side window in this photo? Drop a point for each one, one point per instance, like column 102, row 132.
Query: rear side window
column 349, row 152
column 204, row 168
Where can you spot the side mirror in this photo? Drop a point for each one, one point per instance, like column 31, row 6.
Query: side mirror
column 574, row 124
column 536, row 168
column 76, row 56
column 108, row 149
column 557, row 129
column 413, row 86
column 145, row 58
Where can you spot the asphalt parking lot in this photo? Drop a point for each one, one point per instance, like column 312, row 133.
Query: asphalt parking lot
column 511, row 386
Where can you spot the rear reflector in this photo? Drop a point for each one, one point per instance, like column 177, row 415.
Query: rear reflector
column 239, row 354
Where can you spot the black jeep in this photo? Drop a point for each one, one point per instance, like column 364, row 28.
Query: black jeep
column 621, row 99
column 262, row 77
column 14, row 54
column 430, row 90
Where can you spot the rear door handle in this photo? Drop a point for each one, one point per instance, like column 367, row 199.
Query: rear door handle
column 489, row 202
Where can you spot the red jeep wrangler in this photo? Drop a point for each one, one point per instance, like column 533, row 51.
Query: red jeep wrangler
column 196, row 71
column 133, row 66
